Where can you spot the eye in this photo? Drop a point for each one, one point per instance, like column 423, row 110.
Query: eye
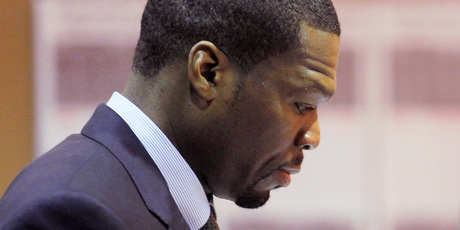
column 304, row 107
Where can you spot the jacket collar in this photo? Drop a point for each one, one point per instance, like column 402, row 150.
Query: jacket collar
column 109, row 129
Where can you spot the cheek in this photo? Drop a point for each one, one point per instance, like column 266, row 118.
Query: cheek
column 279, row 125
column 264, row 126
column 269, row 132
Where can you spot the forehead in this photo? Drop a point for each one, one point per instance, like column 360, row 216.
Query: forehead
column 317, row 49
column 306, row 73
column 312, row 64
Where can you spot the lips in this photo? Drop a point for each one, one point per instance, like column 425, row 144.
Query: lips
column 292, row 169
column 278, row 178
column 286, row 178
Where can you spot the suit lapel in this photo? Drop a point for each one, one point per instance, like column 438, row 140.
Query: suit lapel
column 109, row 129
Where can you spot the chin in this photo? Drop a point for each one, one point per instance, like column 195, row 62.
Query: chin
column 253, row 200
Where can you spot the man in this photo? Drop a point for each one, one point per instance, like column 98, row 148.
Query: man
column 222, row 100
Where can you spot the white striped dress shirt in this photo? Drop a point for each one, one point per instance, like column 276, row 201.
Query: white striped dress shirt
column 182, row 182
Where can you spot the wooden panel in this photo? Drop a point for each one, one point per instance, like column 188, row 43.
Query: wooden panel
column 16, row 105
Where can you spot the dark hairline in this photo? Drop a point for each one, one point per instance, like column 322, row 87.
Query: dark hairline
column 320, row 15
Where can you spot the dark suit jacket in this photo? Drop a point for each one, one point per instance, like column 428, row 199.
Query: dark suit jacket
column 102, row 178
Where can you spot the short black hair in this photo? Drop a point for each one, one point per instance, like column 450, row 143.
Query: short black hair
column 247, row 31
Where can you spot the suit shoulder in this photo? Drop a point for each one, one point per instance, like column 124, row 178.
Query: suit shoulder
column 79, row 168
column 59, row 169
column 61, row 210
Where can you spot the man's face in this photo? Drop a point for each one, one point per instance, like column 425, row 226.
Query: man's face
column 271, row 119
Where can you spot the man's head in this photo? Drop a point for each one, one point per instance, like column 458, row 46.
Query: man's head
column 235, row 86
column 247, row 32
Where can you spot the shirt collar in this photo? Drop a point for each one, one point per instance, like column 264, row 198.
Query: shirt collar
column 182, row 181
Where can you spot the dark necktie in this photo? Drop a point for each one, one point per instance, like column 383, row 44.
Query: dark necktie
column 212, row 222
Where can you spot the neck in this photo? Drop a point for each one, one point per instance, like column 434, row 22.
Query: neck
column 147, row 94
column 163, row 99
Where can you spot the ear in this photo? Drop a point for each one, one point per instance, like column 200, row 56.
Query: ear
column 206, row 64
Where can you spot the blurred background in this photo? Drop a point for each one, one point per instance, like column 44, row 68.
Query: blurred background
column 389, row 157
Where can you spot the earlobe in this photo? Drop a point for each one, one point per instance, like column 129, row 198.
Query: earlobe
column 205, row 65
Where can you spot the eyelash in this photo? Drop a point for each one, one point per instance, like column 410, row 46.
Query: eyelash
column 304, row 107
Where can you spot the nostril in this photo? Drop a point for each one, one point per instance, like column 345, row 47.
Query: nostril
column 307, row 141
column 307, row 147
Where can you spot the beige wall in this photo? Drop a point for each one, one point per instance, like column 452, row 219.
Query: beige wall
column 16, row 106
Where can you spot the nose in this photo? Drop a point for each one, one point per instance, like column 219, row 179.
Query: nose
column 309, row 140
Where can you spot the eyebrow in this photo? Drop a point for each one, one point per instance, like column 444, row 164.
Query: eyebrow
column 320, row 67
column 319, row 87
